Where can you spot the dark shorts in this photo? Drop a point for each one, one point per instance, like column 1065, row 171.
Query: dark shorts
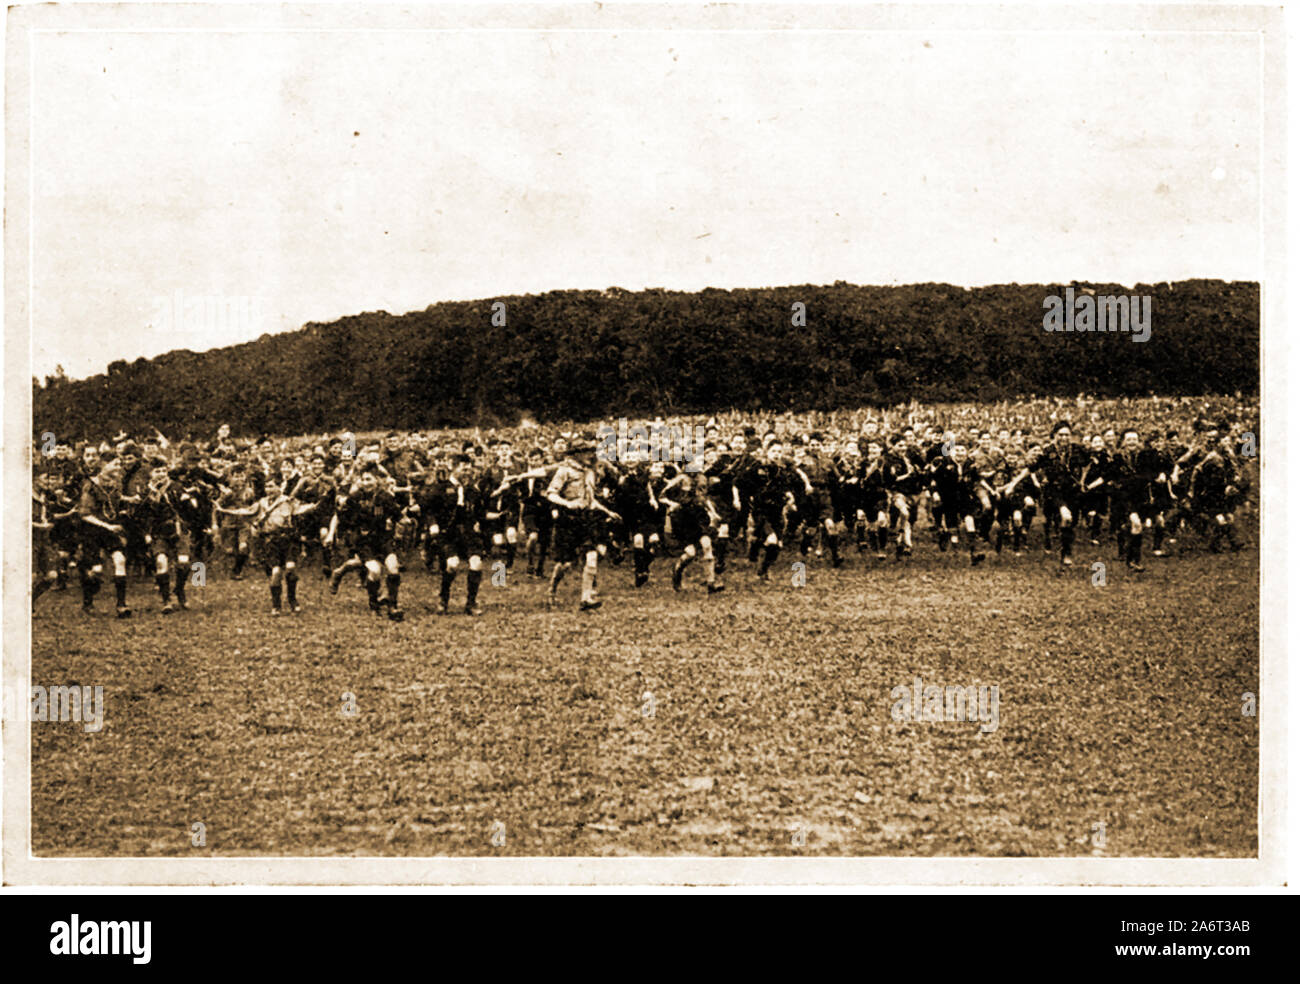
column 1215, row 502
column 170, row 542
column 373, row 547
column 817, row 507
column 727, row 513
column 873, row 502
column 275, row 548
column 576, row 532
column 769, row 517
column 235, row 538
column 96, row 540
column 537, row 519
column 462, row 541
column 1057, row 497
column 689, row 523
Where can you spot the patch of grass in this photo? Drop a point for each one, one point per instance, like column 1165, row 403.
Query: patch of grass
column 756, row 722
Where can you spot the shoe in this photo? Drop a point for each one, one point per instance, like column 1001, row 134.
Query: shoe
column 275, row 613
column 716, row 588
column 168, row 608
column 677, row 577
column 1136, row 568
column 590, row 606
column 640, row 580
column 442, row 608
column 335, row 581
column 1158, row 553
column 395, row 615
column 296, row 609
column 124, row 613
column 473, row 610
column 976, row 559
column 1067, row 561
column 87, row 609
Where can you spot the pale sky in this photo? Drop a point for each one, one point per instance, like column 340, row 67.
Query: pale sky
column 330, row 174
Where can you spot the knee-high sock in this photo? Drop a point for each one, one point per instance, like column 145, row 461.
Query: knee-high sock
column 89, row 587
column 1067, row 540
column 769, row 557
column 291, row 588
column 472, row 580
column 720, row 554
column 392, row 582
column 1134, row 548
column 275, row 597
column 164, row 587
column 181, row 578
column 588, row 583
column 119, row 588
column 444, row 589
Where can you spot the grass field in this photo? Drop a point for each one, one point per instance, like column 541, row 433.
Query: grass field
column 757, row 722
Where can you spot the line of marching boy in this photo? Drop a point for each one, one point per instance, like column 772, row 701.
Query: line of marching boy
column 864, row 485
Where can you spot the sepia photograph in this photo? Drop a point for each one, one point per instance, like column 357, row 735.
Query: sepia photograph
column 626, row 444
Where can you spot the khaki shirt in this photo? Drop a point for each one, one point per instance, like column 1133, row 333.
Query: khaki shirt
column 574, row 484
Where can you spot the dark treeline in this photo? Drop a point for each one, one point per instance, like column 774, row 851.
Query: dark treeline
column 585, row 354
